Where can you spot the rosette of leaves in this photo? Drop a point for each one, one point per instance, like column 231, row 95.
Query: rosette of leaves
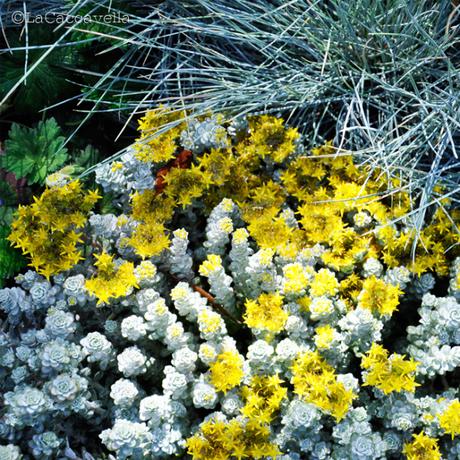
column 34, row 153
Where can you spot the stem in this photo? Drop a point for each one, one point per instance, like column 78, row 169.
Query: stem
column 217, row 306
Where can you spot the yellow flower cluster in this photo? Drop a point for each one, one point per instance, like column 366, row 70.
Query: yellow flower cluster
column 183, row 185
column 430, row 253
column 324, row 336
column 246, row 437
column 212, row 263
column 236, row 439
column 315, row 381
column 218, row 163
column 155, row 146
column 378, row 296
column 346, row 249
column 422, row 448
column 49, row 229
column 266, row 313
column 296, row 278
column 324, row 283
column 350, row 288
column 150, row 206
column 269, row 138
column 263, row 397
column 149, row 239
column 111, row 281
column 227, row 371
column 389, row 373
column 449, row 419
column 329, row 187
column 152, row 211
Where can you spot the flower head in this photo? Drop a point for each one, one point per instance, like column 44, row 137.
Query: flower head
column 449, row 419
column 111, row 281
column 378, row 296
column 422, row 448
column 315, row 381
column 227, row 371
column 266, row 313
column 389, row 374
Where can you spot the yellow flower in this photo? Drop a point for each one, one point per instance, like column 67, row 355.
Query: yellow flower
column 324, row 336
column 350, row 196
column 263, row 202
column 149, row 239
column 227, row 371
column 217, row 163
column 324, row 283
column 266, row 313
column 235, row 439
column 275, row 233
column 111, row 281
column 449, row 419
column 422, row 448
column 350, row 288
column 263, row 397
column 378, row 296
column 320, row 221
column 347, row 248
column 270, row 138
column 210, row 265
column 157, row 142
column 148, row 206
column 389, row 374
column 184, row 185
column 49, row 229
column 296, row 278
column 315, row 381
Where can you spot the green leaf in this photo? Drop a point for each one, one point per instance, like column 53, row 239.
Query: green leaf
column 84, row 158
column 34, row 153
column 48, row 82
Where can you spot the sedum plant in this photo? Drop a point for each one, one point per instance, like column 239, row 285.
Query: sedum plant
column 246, row 297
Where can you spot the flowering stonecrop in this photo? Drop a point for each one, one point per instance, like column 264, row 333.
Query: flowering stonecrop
column 227, row 371
column 378, row 296
column 223, row 309
column 49, row 230
column 153, row 146
column 422, row 447
column 389, row 373
column 449, row 419
column 315, row 381
column 266, row 313
column 111, row 281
